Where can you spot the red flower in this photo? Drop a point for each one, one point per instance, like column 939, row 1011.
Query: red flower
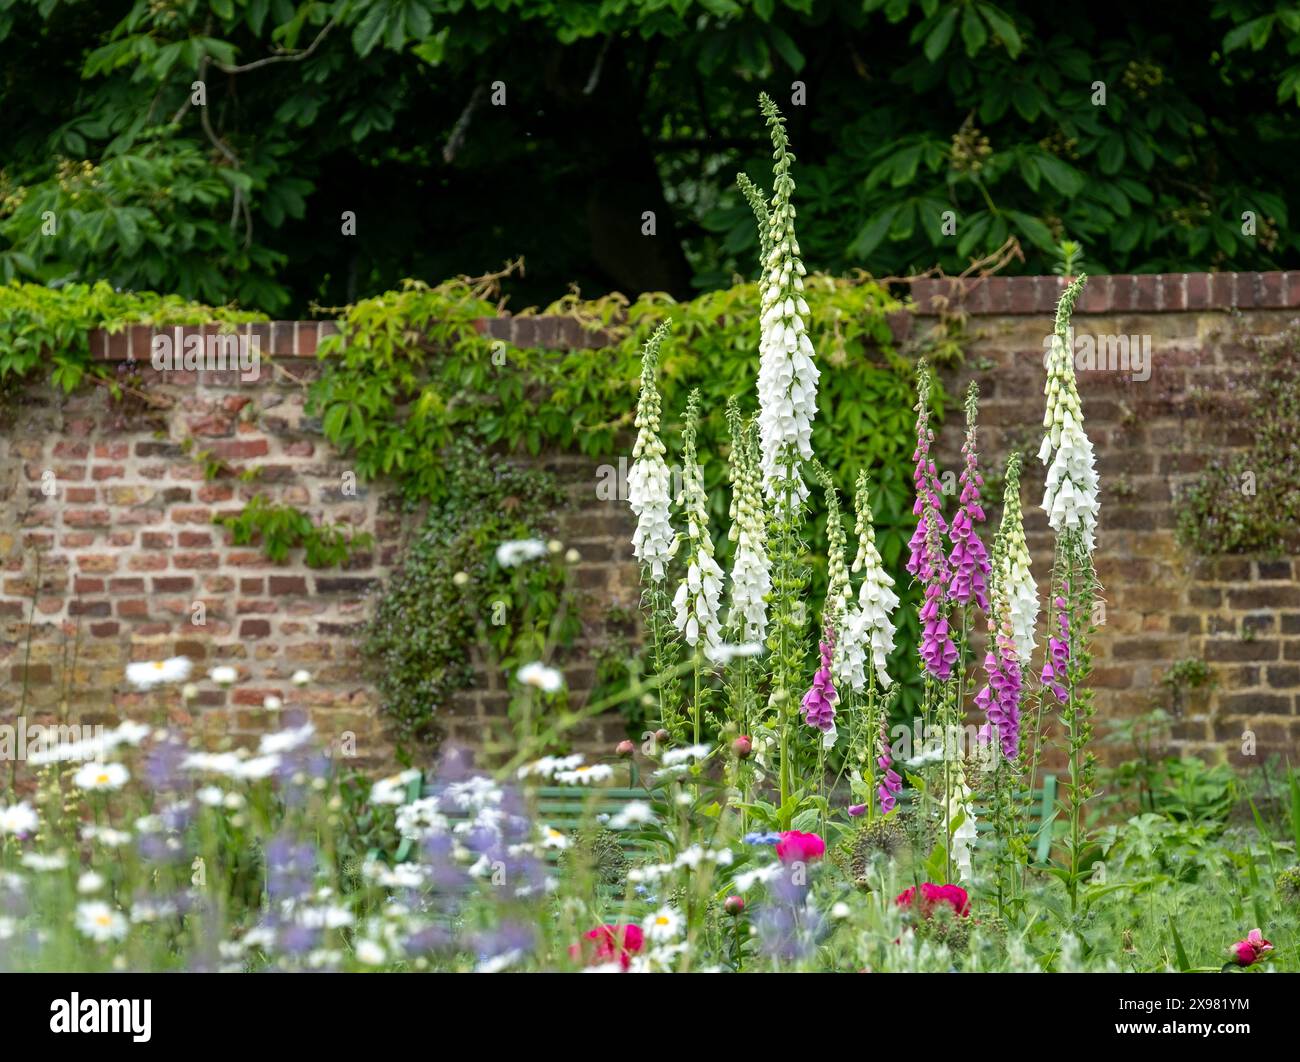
column 1249, row 951
column 612, row 942
column 953, row 895
column 796, row 847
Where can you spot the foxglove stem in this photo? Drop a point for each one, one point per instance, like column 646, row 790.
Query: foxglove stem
column 928, row 561
column 969, row 560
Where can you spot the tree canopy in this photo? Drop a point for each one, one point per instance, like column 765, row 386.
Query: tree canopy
column 218, row 148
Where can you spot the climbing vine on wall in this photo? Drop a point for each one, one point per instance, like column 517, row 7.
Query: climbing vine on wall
column 47, row 329
column 1249, row 501
column 452, row 592
column 410, row 372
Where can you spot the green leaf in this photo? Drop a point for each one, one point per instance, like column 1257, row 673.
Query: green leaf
column 1002, row 25
column 937, row 41
column 1110, row 154
column 1061, row 175
column 872, row 232
column 1183, row 964
column 973, row 33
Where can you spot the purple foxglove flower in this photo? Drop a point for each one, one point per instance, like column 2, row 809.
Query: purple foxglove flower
column 819, row 702
column 969, row 560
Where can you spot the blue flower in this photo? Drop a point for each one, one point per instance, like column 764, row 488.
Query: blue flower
column 761, row 838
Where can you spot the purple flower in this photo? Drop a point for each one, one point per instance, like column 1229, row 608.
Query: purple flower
column 1000, row 698
column 1058, row 654
column 819, row 702
column 927, row 561
column 890, row 784
column 969, row 560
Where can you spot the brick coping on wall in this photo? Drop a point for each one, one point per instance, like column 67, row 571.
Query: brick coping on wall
column 987, row 296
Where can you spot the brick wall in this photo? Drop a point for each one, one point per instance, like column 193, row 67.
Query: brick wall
column 1241, row 614
column 126, row 546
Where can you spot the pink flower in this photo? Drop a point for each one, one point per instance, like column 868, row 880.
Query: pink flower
column 611, row 942
column 797, row 847
column 1249, row 951
column 927, row 560
column 931, row 895
column 969, row 560
column 1056, row 667
column 819, row 702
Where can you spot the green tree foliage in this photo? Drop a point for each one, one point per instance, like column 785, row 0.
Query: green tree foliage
column 213, row 147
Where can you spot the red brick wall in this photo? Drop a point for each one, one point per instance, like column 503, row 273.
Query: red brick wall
column 127, row 545
column 1240, row 614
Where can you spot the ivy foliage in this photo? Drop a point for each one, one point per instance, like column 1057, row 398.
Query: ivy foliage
column 45, row 329
column 451, row 593
column 410, row 372
column 1249, row 501
column 281, row 528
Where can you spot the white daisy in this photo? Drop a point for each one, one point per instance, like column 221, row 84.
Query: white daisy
column 41, row 862
column 663, row 926
column 147, row 674
column 286, row 740
column 94, row 777
column 633, row 813
column 392, row 790
column 683, row 755
column 98, row 921
column 370, row 953
column 18, row 819
column 546, row 679
column 225, row 675
column 519, row 551
column 586, row 774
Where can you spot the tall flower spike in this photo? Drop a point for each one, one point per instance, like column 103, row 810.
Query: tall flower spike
column 1070, row 498
column 648, row 489
column 891, row 784
column 751, row 575
column 787, row 376
column 962, row 835
column 697, row 598
column 1000, row 697
column 764, row 220
column 928, row 562
column 868, row 628
column 818, row 704
column 1017, row 579
column 838, row 591
column 969, row 560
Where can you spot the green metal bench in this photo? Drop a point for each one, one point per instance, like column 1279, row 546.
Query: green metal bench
column 1043, row 798
column 570, row 808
